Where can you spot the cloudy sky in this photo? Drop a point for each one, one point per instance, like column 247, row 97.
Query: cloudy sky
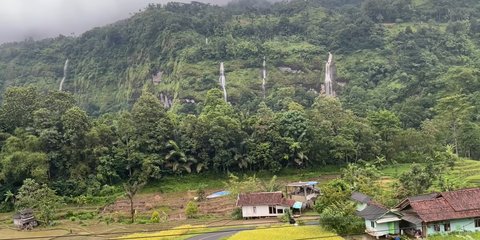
column 39, row 19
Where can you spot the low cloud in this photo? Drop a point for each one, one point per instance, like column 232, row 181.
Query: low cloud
column 20, row 19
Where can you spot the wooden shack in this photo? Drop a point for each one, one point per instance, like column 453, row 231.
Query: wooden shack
column 25, row 219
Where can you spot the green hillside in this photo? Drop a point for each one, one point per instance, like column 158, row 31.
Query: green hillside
column 408, row 91
column 392, row 54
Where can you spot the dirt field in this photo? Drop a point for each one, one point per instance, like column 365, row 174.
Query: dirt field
column 173, row 204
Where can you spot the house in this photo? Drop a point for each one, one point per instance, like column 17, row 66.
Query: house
column 379, row 220
column 361, row 199
column 263, row 204
column 441, row 213
column 304, row 192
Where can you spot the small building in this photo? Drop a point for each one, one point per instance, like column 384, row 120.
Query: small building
column 361, row 199
column 25, row 219
column 441, row 213
column 379, row 220
column 305, row 192
column 263, row 204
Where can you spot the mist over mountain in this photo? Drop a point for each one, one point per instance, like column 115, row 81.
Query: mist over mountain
column 20, row 19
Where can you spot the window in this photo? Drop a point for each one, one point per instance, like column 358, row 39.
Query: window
column 446, row 227
column 254, row 209
column 436, row 227
column 280, row 211
column 477, row 222
column 272, row 210
column 372, row 224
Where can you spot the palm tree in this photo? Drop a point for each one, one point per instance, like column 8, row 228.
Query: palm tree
column 10, row 197
column 178, row 161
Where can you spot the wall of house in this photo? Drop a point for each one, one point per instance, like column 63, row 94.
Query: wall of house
column 380, row 229
column 260, row 211
column 457, row 225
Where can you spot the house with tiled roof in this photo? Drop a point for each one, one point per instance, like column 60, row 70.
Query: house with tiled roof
column 441, row 213
column 263, row 204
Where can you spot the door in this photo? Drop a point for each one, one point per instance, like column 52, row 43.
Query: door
column 391, row 227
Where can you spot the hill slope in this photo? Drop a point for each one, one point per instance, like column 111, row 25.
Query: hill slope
column 386, row 54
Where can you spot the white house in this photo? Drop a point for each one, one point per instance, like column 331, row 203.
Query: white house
column 379, row 220
column 263, row 204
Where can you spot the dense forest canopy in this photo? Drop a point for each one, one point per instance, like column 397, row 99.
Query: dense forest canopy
column 408, row 88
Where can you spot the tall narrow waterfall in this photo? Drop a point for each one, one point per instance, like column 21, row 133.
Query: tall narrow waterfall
column 264, row 76
column 65, row 67
column 330, row 74
column 223, row 81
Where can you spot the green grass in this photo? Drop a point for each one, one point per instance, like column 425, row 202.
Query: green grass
column 286, row 233
column 456, row 236
column 394, row 171
column 216, row 180
column 185, row 183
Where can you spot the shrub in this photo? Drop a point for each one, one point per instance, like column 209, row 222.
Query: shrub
column 237, row 214
column 341, row 219
column 201, row 196
column 191, row 210
column 155, row 218
column 286, row 217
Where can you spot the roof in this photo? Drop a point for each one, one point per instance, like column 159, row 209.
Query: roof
column 405, row 202
column 297, row 205
column 302, row 184
column 373, row 211
column 462, row 200
column 263, row 198
column 458, row 204
column 360, row 197
column 411, row 217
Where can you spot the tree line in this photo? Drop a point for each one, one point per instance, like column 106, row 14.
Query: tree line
column 49, row 139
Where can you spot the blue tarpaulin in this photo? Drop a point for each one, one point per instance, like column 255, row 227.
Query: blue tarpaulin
column 312, row 183
column 218, row 194
column 297, row 205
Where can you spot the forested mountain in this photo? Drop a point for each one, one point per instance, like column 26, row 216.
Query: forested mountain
column 408, row 86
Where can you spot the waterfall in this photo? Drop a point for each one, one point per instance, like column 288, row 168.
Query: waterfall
column 330, row 72
column 264, row 76
column 223, row 81
column 65, row 67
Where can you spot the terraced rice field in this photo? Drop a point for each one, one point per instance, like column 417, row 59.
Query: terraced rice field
column 468, row 170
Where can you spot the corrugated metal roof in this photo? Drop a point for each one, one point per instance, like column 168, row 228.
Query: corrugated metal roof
column 297, row 205
column 411, row 217
column 360, row 197
column 302, row 184
column 372, row 212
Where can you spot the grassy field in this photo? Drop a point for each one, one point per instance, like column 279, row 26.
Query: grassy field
column 286, row 233
column 216, row 180
column 456, row 236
